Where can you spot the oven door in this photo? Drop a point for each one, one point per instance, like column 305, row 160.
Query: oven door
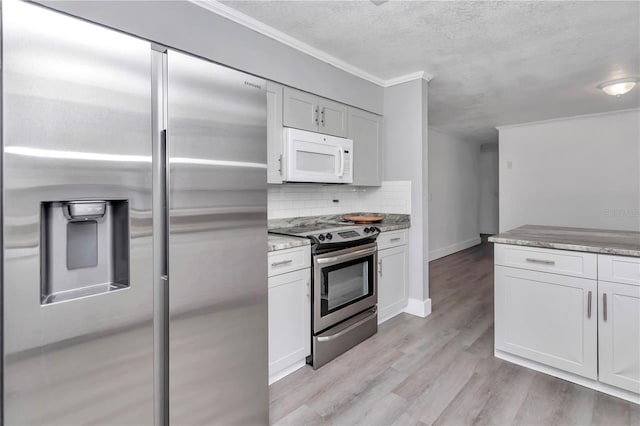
column 345, row 283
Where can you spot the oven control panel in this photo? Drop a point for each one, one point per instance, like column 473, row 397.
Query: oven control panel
column 345, row 234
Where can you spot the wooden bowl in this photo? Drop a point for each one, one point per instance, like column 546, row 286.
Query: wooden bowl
column 363, row 219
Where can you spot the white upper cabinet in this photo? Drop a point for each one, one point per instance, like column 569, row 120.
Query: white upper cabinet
column 274, row 132
column 310, row 112
column 287, row 107
column 301, row 110
column 365, row 129
column 333, row 118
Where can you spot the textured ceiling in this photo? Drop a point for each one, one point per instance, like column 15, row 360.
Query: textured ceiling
column 493, row 63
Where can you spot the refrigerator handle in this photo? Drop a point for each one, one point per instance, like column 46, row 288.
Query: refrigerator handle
column 160, row 170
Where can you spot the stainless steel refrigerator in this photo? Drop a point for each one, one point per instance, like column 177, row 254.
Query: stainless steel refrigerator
column 134, row 230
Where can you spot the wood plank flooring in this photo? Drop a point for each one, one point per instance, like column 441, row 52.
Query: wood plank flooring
column 440, row 370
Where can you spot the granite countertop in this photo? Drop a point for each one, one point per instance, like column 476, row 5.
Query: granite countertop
column 391, row 222
column 281, row 242
column 602, row 241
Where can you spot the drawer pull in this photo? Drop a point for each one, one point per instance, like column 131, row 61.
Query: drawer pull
column 371, row 313
column 282, row 262
column 589, row 305
column 541, row 261
column 395, row 239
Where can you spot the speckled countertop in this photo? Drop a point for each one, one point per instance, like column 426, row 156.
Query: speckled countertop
column 282, row 242
column 391, row 222
column 622, row 243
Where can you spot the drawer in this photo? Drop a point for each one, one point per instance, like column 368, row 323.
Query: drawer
column 392, row 239
column 619, row 269
column 283, row 261
column 563, row 262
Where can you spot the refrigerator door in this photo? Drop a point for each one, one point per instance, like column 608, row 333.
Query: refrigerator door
column 217, row 132
column 78, row 336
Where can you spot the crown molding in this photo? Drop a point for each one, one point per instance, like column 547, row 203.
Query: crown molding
column 408, row 77
column 571, row 117
column 277, row 35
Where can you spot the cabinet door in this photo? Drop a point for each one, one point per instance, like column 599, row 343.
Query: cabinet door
column 365, row 129
column 333, row 118
column 289, row 320
column 301, row 110
column 619, row 330
column 274, row 132
column 545, row 318
column 393, row 272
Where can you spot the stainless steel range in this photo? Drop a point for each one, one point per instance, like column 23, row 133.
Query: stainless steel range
column 345, row 286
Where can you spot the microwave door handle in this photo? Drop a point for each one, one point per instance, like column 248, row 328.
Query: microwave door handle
column 341, row 162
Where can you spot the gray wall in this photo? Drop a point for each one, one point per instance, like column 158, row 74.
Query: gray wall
column 453, row 194
column 404, row 151
column 488, row 203
column 581, row 171
column 186, row 26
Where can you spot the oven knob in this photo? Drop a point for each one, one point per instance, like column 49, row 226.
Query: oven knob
column 375, row 229
column 367, row 230
column 321, row 237
column 329, row 236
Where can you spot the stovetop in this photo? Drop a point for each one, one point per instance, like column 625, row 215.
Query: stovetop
column 334, row 234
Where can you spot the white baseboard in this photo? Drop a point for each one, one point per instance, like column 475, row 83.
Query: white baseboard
column 391, row 311
column 592, row 384
column 286, row 371
column 446, row 251
column 419, row 308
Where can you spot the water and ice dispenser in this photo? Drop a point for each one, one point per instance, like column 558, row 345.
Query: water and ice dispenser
column 84, row 248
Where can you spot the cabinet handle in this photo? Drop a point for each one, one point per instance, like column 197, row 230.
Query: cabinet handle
column 282, row 262
column 380, row 267
column 395, row 239
column 322, row 121
column 544, row 262
column 604, row 306
column 371, row 313
column 317, row 120
column 589, row 305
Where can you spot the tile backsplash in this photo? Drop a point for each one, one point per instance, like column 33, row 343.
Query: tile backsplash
column 296, row 200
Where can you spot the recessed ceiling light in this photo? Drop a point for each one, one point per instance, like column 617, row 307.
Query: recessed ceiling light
column 378, row 2
column 618, row 87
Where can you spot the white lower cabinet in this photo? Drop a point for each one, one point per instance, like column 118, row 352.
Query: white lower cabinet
column 393, row 274
column 546, row 318
column 289, row 320
column 580, row 329
column 619, row 335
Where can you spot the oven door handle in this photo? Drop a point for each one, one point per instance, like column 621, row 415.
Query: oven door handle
column 372, row 311
column 346, row 256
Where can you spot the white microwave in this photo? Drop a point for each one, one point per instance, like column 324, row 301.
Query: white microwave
column 314, row 157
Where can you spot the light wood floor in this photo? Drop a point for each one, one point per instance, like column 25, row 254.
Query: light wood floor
column 440, row 370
